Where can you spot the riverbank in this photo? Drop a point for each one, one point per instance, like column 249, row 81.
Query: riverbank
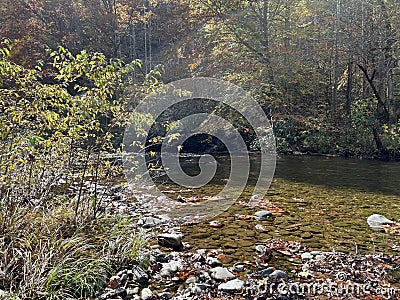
column 318, row 220
column 163, row 273
column 274, row 268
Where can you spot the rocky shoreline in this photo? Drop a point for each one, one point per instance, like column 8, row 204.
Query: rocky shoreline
column 167, row 271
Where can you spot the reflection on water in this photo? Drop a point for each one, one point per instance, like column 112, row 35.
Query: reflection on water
column 362, row 175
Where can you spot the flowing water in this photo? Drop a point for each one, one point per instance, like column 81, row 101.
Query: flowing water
column 327, row 200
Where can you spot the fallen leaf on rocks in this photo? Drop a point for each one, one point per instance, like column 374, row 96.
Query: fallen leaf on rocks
column 184, row 274
column 392, row 228
column 245, row 217
column 221, row 256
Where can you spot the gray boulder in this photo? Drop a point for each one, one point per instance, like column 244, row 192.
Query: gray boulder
column 221, row 273
column 170, row 240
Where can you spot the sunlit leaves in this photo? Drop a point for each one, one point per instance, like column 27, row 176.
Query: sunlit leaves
column 47, row 130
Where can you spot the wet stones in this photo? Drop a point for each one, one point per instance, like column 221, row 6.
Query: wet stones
column 238, row 267
column 261, row 248
column 266, row 272
column 213, row 261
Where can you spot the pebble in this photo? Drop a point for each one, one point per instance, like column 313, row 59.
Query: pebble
column 261, row 248
column 191, row 280
column 255, row 197
column 175, row 279
column 278, row 276
column 148, row 222
column 262, row 215
column 261, row 228
column 131, row 292
column 124, row 277
column 139, row 275
column 173, row 266
column 305, row 275
column 238, row 267
column 216, row 224
column 200, row 287
column 114, row 281
column 232, row 285
column 266, row 272
column 164, row 296
column 213, row 261
column 146, row 294
column 221, row 273
column 307, row 256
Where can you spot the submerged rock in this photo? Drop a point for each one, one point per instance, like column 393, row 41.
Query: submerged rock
column 261, row 228
column 376, row 221
column 262, row 215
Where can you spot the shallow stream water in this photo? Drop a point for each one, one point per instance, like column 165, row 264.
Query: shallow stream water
column 327, row 200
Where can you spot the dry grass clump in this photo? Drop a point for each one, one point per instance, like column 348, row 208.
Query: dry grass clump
column 44, row 254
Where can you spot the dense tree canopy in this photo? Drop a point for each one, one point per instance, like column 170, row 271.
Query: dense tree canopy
column 326, row 71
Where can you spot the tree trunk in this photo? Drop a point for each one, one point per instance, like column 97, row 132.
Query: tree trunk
column 334, row 101
column 349, row 89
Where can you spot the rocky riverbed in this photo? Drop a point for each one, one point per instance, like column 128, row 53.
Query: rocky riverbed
column 163, row 273
column 175, row 266
column 171, row 268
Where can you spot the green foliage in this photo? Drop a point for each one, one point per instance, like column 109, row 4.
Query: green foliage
column 77, row 278
column 42, row 123
column 57, row 122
